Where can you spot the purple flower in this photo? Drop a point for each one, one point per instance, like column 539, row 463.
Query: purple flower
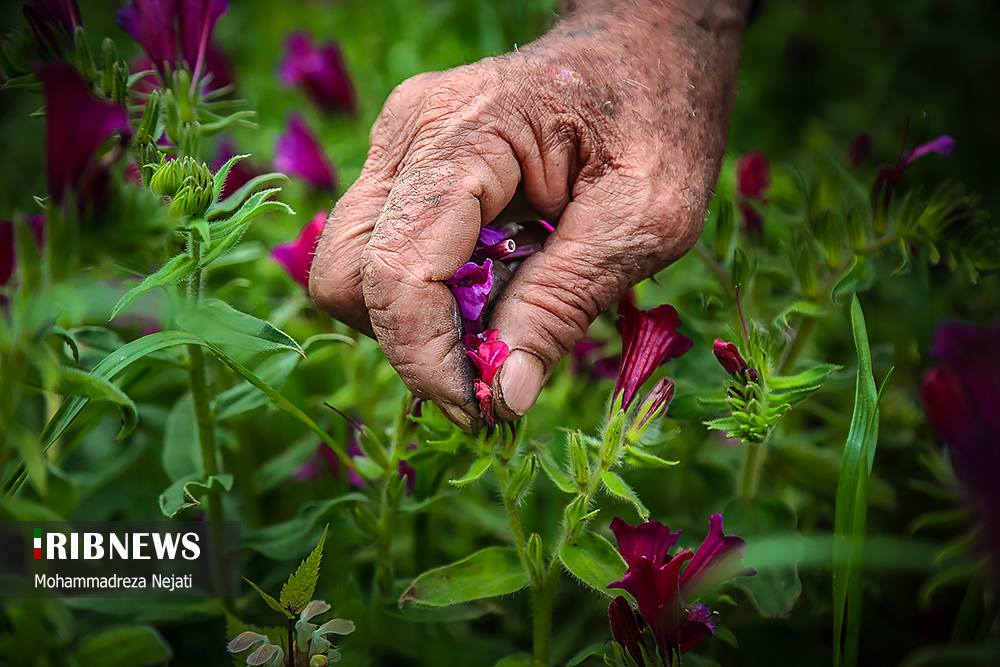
column 484, row 394
column 299, row 153
column 471, row 287
column 753, row 175
column 296, row 256
column 76, row 124
column 173, row 31
column 625, row 629
column 662, row 589
column 404, row 469
column 319, row 71
column 962, row 397
column 887, row 177
column 45, row 15
column 323, row 462
column 649, row 338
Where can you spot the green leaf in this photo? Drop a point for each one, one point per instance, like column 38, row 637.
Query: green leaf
column 67, row 338
column 616, row 486
column 475, row 472
column 135, row 646
column 594, row 561
column 244, row 397
column 639, row 458
column 851, row 509
column 555, row 473
column 488, row 573
column 806, row 378
column 225, row 208
column 859, row 278
column 220, row 323
column 229, row 232
column 285, row 541
column 32, row 455
column 516, row 660
column 176, row 270
column 802, row 308
column 186, row 492
column 271, row 602
column 181, row 453
column 74, row 382
column 298, row 590
column 219, row 179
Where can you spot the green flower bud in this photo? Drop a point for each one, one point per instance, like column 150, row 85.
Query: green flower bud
column 577, row 517
column 83, row 59
column 579, row 461
column 373, row 447
column 535, row 557
column 366, row 521
column 725, row 224
column 166, row 179
column 740, row 271
column 856, row 231
column 150, row 117
column 805, row 267
column 181, row 201
column 611, row 445
column 109, row 58
column 522, row 479
column 190, row 138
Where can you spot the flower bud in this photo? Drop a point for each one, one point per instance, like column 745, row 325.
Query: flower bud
column 522, row 479
column 725, row 223
column 373, row 448
column 150, row 116
column 366, row 521
column 189, row 138
column 611, row 445
column 579, row 461
column 653, row 406
column 166, row 180
column 856, row 231
column 805, row 269
column 625, row 629
column 535, row 557
column 576, row 516
column 740, row 271
column 829, row 231
column 729, row 356
column 109, row 58
column 83, row 59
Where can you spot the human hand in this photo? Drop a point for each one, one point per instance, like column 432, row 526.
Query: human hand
column 614, row 124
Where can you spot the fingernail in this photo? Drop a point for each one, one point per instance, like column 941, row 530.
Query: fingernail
column 460, row 417
column 520, row 381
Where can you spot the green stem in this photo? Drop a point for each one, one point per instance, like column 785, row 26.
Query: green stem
column 751, row 469
column 721, row 274
column 503, row 478
column 543, row 601
column 383, row 564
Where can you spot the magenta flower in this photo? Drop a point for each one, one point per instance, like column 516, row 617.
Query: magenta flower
column 242, row 172
column 299, row 153
column 753, row 175
column 887, row 177
column 76, row 124
column 54, row 22
column 649, row 338
column 471, row 287
column 323, row 462
column 729, row 356
column 662, row 590
column 173, row 32
column 625, row 629
column 319, row 71
column 489, row 356
column 962, row 396
column 484, row 394
column 296, row 256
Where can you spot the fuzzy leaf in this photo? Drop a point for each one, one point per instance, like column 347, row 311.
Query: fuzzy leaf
column 594, row 561
column 229, row 232
column 176, row 270
column 74, row 382
column 298, row 590
column 636, row 456
column 488, row 573
column 617, row 487
column 219, row 180
column 475, row 472
column 555, row 473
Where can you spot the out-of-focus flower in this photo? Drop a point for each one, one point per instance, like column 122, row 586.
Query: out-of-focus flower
column 404, row 469
column 242, row 172
column 8, row 251
column 319, row 70
column 729, row 356
column 753, row 175
column 471, row 287
column 299, row 153
column 586, row 357
column 173, row 31
column 888, row 176
column 296, row 256
column 76, row 124
column 662, row 590
column 323, row 462
column 962, row 396
column 53, row 22
column 649, row 338
column 860, row 148
column 489, row 356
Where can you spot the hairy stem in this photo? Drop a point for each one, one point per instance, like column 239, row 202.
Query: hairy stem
column 751, row 469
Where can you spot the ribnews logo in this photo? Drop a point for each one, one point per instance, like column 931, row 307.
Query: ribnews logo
column 120, row 559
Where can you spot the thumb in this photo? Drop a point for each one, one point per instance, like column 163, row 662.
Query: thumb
column 617, row 233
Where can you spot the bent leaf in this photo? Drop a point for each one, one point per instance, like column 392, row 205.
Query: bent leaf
column 186, row 493
column 220, row 323
column 74, row 382
column 475, row 472
column 489, row 573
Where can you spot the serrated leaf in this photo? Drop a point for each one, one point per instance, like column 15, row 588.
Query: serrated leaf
column 298, row 590
column 489, row 573
column 176, row 270
column 219, row 322
column 185, row 493
column 617, row 487
column 480, row 466
column 271, row 602
column 594, row 561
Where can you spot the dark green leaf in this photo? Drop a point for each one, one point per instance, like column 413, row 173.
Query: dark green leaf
column 220, row 323
column 489, row 573
column 135, row 646
column 74, row 382
column 594, row 561
column 185, row 493
column 181, row 453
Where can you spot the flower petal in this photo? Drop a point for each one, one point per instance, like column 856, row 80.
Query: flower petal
column 340, row 626
column 489, row 357
column 319, row 71
column 943, row 145
column 753, row 175
column 700, row 622
column 729, row 356
column 720, row 557
column 471, row 287
column 298, row 153
column 651, row 540
column 625, row 628
column 296, row 256
column 649, row 338
column 245, row 640
column 197, row 20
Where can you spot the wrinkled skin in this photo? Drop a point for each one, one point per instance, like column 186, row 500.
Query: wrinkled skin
column 614, row 124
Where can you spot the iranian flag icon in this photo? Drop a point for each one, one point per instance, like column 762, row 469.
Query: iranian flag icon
column 38, row 543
